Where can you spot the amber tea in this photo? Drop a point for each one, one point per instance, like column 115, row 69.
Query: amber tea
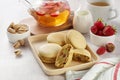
column 100, row 4
column 52, row 13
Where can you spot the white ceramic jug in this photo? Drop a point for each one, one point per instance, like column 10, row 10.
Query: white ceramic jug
column 82, row 21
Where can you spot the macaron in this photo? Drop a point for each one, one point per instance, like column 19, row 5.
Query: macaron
column 64, row 57
column 48, row 52
column 56, row 38
column 81, row 55
column 76, row 39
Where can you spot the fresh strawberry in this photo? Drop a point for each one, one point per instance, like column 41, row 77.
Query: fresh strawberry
column 108, row 31
column 55, row 14
column 110, row 47
column 49, row 7
column 77, row 79
column 94, row 29
column 101, row 50
column 59, row 3
column 100, row 33
column 99, row 24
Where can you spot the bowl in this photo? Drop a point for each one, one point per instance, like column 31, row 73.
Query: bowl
column 17, row 36
column 101, row 40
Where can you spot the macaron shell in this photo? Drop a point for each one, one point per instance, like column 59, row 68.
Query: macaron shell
column 56, row 38
column 47, row 60
column 49, row 50
column 76, row 39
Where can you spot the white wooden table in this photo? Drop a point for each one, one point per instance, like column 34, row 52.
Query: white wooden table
column 26, row 67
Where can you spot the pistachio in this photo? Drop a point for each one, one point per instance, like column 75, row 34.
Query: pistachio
column 11, row 30
column 22, row 42
column 15, row 27
column 18, row 52
column 23, row 27
column 16, row 45
column 11, row 25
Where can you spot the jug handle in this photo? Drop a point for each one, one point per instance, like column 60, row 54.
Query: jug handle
column 115, row 14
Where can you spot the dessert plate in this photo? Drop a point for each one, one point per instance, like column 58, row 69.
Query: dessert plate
column 38, row 40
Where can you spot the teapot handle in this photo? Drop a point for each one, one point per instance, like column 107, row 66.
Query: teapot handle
column 26, row 3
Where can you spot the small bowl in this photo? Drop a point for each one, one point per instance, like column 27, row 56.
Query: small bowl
column 15, row 37
column 101, row 40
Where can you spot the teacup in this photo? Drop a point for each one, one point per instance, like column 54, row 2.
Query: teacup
column 101, row 9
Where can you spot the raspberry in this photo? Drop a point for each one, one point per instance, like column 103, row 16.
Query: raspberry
column 110, row 47
column 101, row 50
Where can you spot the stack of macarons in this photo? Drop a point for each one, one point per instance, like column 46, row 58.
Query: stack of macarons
column 63, row 47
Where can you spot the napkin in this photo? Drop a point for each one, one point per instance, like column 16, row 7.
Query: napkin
column 111, row 74
column 100, row 67
column 97, row 72
column 74, row 75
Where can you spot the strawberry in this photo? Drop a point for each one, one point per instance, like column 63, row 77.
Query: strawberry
column 108, row 31
column 40, row 13
column 100, row 33
column 99, row 24
column 77, row 79
column 49, row 7
column 94, row 29
column 59, row 3
column 55, row 14
column 110, row 47
column 101, row 50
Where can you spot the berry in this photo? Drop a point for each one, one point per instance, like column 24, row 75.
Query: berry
column 77, row 79
column 110, row 47
column 94, row 29
column 108, row 31
column 99, row 24
column 101, row 50
column 40, row 13
column 55, row 14
column 100, row 33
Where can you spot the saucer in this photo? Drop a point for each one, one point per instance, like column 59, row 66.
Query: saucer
column 35, row 28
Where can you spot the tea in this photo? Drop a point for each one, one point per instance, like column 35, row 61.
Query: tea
column 52, row 13
column 100, row 4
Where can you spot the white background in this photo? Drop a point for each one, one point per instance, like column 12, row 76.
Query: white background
column 26, row 67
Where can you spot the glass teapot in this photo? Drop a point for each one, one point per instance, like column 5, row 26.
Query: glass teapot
column 49, row 13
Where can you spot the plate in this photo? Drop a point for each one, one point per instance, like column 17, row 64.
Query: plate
column 35, row 28
column 38, row 40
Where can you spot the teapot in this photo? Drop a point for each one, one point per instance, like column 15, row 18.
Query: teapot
column 49, row 13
